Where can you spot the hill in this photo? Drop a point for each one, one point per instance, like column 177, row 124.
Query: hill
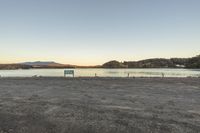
column 151, row 63
column 114, row 64
column 47, row 64
column 41, row 63
column 193, row 62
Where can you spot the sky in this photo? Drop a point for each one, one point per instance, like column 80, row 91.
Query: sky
column 91, row 32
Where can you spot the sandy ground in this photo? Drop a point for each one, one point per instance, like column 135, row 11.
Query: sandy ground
column 99, row 105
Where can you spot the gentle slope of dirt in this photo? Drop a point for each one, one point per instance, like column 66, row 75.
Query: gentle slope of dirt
column 99, row 105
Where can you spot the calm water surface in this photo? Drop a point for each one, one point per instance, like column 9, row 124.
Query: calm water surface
column 103, row 72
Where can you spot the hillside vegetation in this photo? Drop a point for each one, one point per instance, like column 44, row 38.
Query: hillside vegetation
column 114, row 64
column 193, row 62
column 14, row 66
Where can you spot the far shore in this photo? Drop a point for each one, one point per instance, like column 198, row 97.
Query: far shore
column 98, row 68
column 94, row 77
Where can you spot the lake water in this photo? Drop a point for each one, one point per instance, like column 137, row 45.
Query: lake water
column 90, row 72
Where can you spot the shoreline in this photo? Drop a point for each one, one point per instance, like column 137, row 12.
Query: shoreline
column 102, row 73
column 93, row 77
column 107, row 68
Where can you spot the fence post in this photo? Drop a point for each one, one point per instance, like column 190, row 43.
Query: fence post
column 163, row 75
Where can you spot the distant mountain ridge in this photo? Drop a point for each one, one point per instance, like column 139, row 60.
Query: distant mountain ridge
column 46, row 64
column 52, row 64
column 42, row 63
column 193, row 62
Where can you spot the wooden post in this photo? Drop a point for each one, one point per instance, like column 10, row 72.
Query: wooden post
column 163, row 75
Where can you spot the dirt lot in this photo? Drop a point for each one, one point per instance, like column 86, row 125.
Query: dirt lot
column 99, row 105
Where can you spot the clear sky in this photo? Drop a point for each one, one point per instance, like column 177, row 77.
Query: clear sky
column 89, row 32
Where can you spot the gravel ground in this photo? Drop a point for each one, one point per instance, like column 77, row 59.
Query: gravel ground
column 99, row 105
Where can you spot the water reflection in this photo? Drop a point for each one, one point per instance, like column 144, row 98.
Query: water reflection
column 104, row 72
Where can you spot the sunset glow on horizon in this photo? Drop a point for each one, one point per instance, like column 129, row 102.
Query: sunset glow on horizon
column 92, row 32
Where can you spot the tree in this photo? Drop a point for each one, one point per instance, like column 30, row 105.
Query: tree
column 193, row 62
